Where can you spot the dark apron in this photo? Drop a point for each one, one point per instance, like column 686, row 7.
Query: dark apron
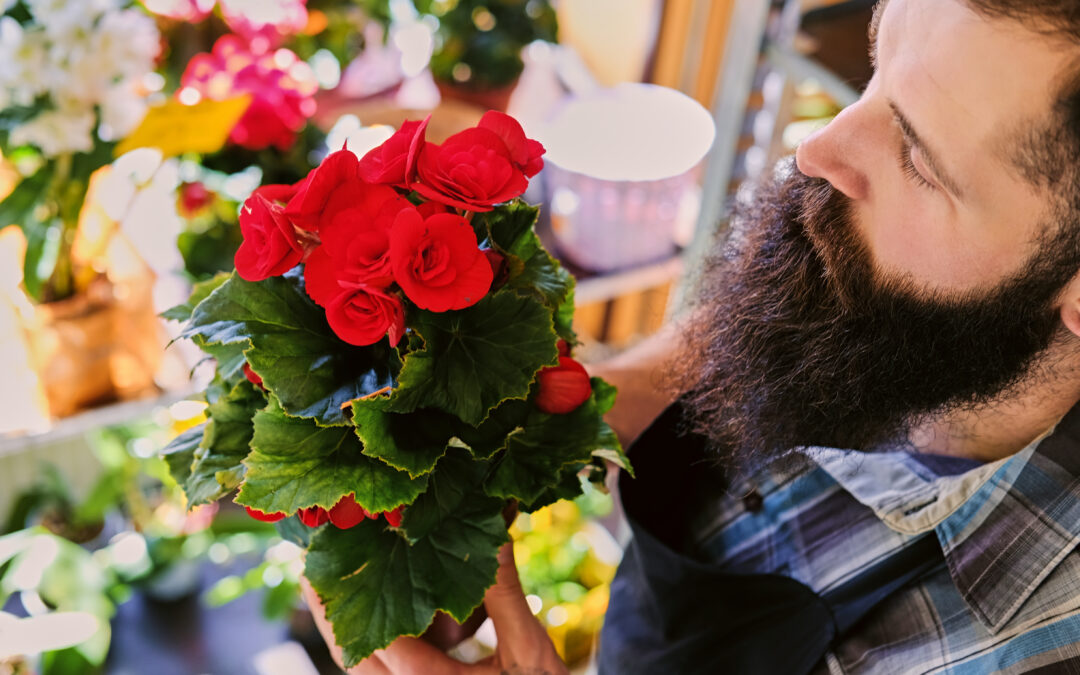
column 673, row 613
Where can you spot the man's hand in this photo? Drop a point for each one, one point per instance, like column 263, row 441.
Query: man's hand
column 523, row 646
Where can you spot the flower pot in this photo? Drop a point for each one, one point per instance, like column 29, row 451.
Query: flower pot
column 488, row 99
column 71, row 344
column 95, row 347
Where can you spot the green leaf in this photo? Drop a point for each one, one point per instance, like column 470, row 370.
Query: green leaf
column 289, row 344
column 180, row 453
column 475, row 358
column 541, row 274
column 494, row 432
column 568, row 487
column 291, row 529
column 510, row 224
column 456, row 479
column 18, row 207
column 564, row 318
column 199, row 293
column 296, row 464
column 412, row 442
column 604, row 394
column 376, row 587
column 532, row 269
column 218, row 467
column 230, row 359
column 42, row 250
column 535, row 458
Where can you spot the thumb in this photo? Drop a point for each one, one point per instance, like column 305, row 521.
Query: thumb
column 505, row 601
column 524, row 645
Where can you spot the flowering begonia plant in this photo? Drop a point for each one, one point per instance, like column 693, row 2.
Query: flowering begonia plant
column 393, row 370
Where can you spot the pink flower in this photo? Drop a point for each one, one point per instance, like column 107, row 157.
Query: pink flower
column 281, row 85
column 269, row 20
column 189, row 11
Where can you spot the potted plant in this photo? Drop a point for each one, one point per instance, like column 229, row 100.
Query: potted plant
column 394, row 372
column 478, row 43
column 70, row 86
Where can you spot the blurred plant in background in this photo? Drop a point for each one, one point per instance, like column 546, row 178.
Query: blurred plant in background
column 131, row 533
column 567, row 561
column 72, row 82
column 283, row 54
column 478, row 43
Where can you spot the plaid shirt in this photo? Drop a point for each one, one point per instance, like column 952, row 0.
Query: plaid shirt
column 1007, row 597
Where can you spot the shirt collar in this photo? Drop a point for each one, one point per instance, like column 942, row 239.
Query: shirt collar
column 1003, row 526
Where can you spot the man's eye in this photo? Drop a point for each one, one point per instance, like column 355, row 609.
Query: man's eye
column 908, row 167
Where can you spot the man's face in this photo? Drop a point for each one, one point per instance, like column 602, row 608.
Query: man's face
column 959, row 216
column 892, row 279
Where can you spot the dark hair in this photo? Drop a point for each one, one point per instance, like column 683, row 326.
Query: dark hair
column 1049, row 153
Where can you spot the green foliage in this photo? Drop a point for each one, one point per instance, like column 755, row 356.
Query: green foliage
column 377, row 586
column 532, row 269
column 179, row 454
column 287, row 341
column 475, row 358
column 295, row 464
column 217, row 466
column 549, row 444
column 412, row 442
column 487, row 37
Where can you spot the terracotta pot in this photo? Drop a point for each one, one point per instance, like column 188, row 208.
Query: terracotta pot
column 488, row 99
column 95, row 347
column 71, row 343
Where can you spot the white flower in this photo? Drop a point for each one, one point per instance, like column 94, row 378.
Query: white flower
column 57, row 131
column 126, row 43
column 62, row 18
column 23, row 61
column 121, row 111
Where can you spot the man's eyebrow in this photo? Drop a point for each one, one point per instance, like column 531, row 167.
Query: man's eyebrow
column 928, row 155
column 872, row 34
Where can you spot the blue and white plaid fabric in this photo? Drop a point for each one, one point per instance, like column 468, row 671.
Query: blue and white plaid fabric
column 1007, row 597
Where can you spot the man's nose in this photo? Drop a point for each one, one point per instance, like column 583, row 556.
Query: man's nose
column 835, row 153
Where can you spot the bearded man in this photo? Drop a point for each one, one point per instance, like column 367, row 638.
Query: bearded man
column 872, row 463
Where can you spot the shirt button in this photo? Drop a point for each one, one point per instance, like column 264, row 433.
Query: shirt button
column 753, row 501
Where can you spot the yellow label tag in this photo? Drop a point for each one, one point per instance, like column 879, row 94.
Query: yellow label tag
column 175, row 128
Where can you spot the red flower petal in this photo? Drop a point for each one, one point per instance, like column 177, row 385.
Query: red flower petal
column 346, row 513
column 363, row 315
column 436, row 261
column 563, row 388
column 313, row 516
column 264, row 517
column 393, row 517
column 472, row 170
column 564, row 349
column 307, row 207
column 320, row 281
column 270, row 247
column 394, row 162
column 252, row 376
column 524, row 152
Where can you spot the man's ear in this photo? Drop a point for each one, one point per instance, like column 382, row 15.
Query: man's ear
column 1070, row 306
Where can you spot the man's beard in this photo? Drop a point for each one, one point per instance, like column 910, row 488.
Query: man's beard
column 796, row 341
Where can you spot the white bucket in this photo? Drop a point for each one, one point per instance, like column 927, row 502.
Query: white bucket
column 618, row 170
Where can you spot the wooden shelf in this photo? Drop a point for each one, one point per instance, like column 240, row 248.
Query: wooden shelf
column 604, row 287
column 76, row 425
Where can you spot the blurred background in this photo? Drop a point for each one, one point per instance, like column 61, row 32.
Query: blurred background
column 130, row 133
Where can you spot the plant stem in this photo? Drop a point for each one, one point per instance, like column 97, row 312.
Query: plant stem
column 61, row 282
